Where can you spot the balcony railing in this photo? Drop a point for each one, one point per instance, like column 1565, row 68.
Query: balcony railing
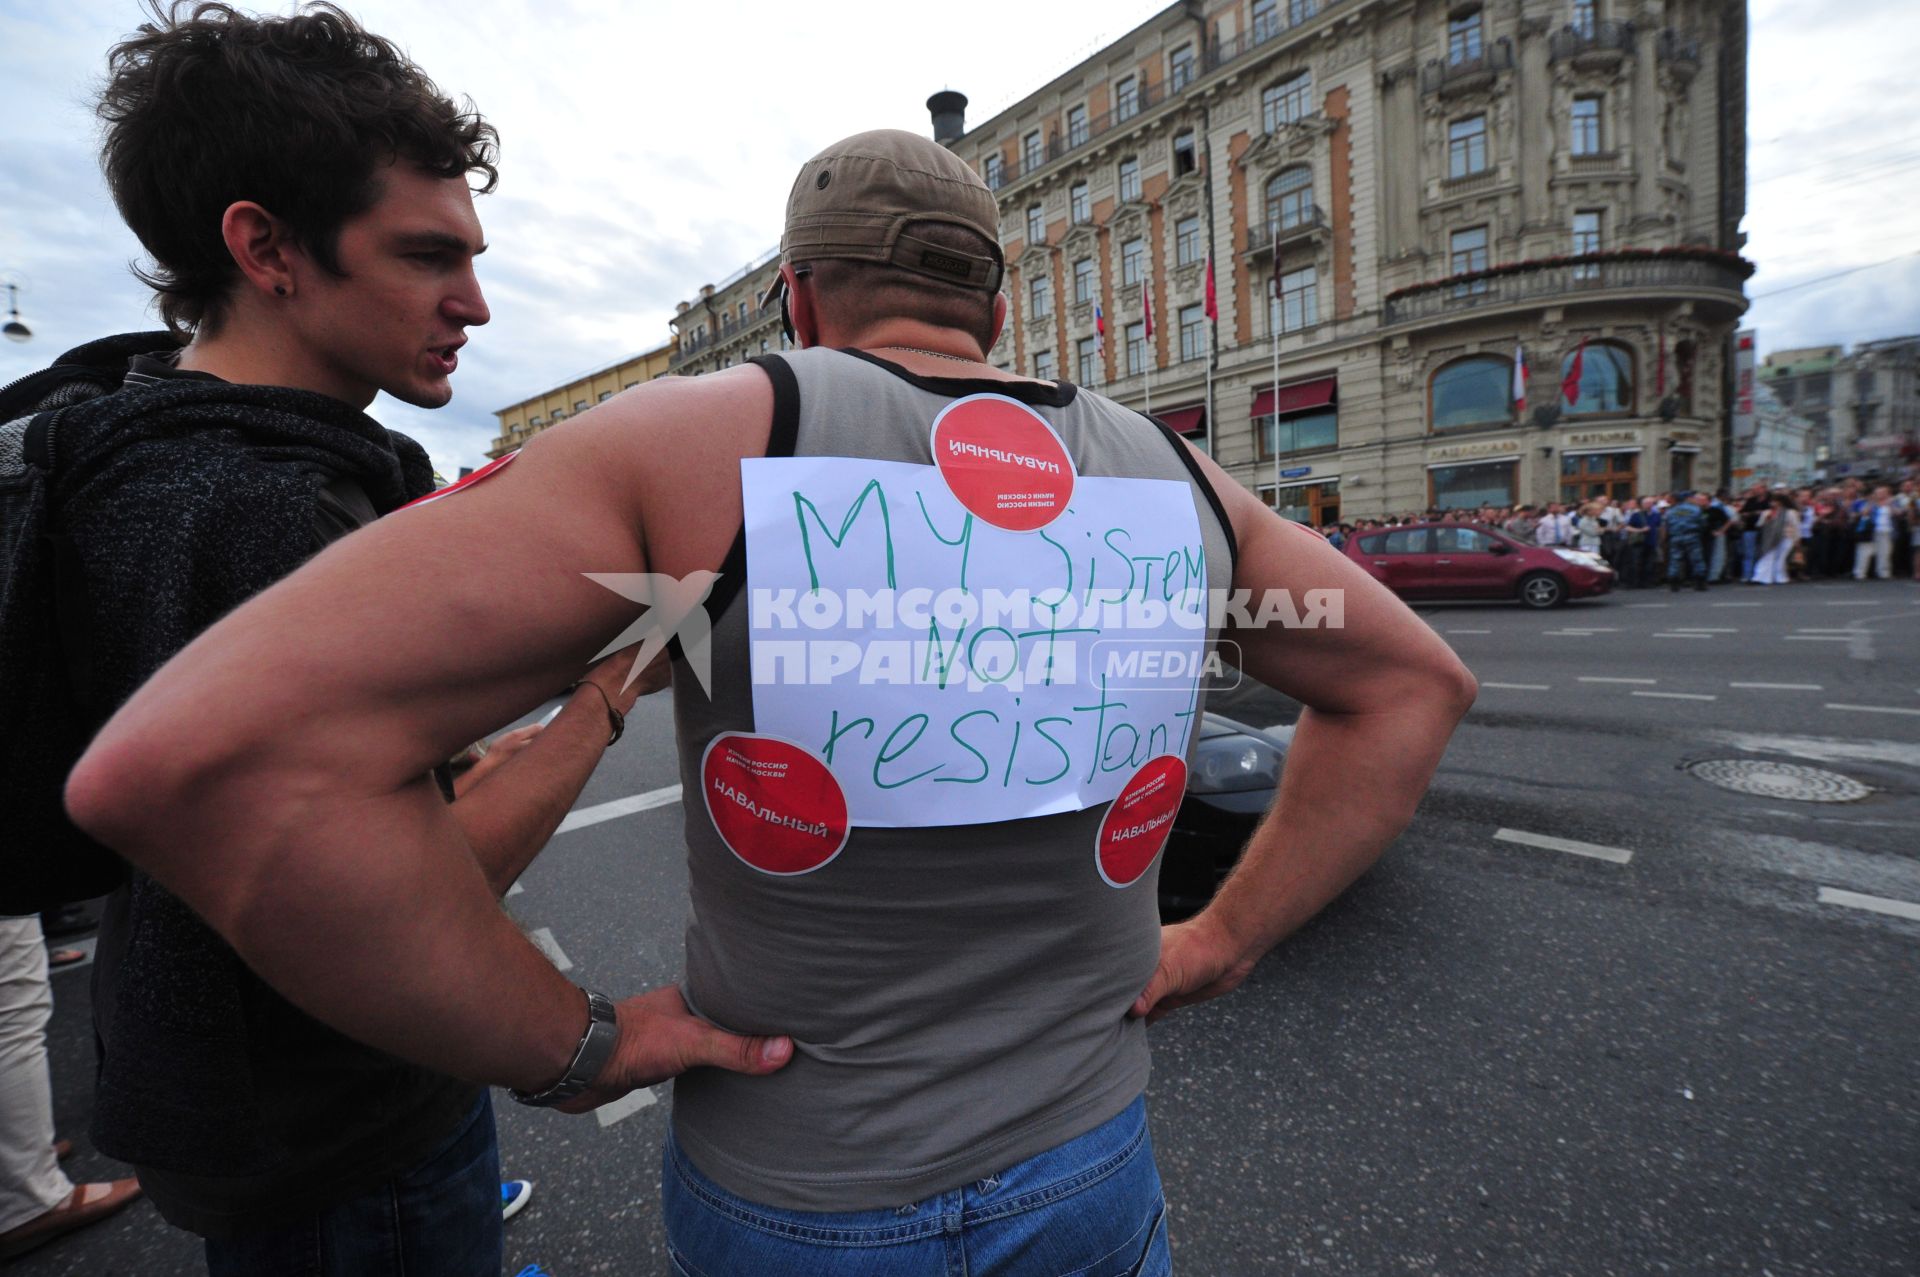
column 1568, row 278
column 1218, row 53
column 1610, row 37
column 1446, row 75
column 1675, row 47
column 1306, row 225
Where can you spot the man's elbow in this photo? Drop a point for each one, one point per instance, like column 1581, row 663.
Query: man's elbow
column 1459, row 689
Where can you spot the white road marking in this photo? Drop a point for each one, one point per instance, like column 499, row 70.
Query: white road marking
column 1679, row 696
column 1873, row 904
column 1676, row 635
column 1865, row 709
column 1598, row 679
column 1815, row 629
column 1824, row 749
column 1571, row 633
column 1782, row 687
column 1818, row 638
column 543, row 937
column 1522, row 687
column 620, row 807
column 1469, row 631
column 1855, row 603
column 1733, row 605
column 626, row 1106
column 1649, row 605
column 1704, row 629
column 1618, row 855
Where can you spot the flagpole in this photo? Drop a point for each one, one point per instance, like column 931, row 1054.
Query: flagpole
column 1210, row 424
column 1273, row 317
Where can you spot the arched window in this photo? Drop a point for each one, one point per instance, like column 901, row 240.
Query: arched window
column 1475, row 391
column 1606, row 379
column 1290, row 198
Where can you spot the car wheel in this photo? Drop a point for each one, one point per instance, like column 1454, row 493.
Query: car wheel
column 1542, row 590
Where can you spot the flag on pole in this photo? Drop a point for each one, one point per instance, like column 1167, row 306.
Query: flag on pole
column 1519, row 379
column 1146, row 307
column 1099, row 330
column 1570, row 384
column 1213, row 304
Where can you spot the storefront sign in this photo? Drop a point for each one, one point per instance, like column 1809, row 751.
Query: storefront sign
column 1743, row 353
column 1297, row 472
column 1473, row 451
column 1599, row 438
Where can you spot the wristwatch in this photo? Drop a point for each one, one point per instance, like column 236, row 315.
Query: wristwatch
column 596, row 1047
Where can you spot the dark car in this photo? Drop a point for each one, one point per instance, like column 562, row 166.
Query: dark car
column 1236, row 769
column 1473, row 561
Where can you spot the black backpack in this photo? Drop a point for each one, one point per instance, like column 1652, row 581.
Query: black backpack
column 43, row 610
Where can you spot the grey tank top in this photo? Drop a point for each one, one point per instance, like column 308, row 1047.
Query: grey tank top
column 957, row 994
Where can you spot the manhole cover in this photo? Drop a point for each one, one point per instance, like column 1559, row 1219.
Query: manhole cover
column 1780, row 780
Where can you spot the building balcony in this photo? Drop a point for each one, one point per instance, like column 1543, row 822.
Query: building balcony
column 1448, row 76
column 1594, row 44
column 1310, row 225
column 1681, row 52
column 1718, row 277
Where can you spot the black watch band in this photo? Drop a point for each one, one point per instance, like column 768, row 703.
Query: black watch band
column 596, row 1048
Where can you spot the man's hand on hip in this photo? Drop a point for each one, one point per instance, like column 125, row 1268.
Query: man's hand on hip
column 660, row 1039
column 1198, row 960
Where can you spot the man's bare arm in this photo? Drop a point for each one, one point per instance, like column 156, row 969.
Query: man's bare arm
column 1381, row 696
column 269, row 775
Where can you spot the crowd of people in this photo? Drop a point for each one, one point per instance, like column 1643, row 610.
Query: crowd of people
column 1762, row 536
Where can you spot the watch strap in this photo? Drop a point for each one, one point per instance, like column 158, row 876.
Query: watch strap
column 596, row 1048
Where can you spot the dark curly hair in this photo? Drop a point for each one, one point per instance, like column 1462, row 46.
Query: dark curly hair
column 206, row 105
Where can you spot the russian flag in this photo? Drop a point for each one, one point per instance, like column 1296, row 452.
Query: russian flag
column 1099, row 329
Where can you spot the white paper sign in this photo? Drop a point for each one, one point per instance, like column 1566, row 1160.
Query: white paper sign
column 950, row 672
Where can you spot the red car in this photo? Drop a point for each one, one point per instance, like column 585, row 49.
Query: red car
column 1473, row 561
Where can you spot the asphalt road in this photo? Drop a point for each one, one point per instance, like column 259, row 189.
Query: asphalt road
column 1667, row 1048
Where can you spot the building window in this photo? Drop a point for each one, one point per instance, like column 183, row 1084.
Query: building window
column 1290, row 198
column 1299, row 11
column 1186, row 241
column 1193, row 332
column 1088, row 371
column 1076, row 126
column 1468, row 252
column 1036, row 225
column 1287, row 101
column 1184, row 160
column 1030, row 152
column 1298, row 305
column 1586, row 240
column 1133, row 261
column 604, row 396
column 1136, row 350
column 1126, row 98
column 1476, row 391
column 995, row 177
column 1180, row 67
column 1315, row 431
column 1606, row 379
column 1586, row 126
column 1041, row 292
column 1129, row 179
column 1467, row 146
column 579, row 405
column 536, row 422
column 1080, row 207
column 1585, row 15
column 743, row 312
column 630, row 385
column 1043, row 364
column 1470, row 487
column 1463, row 37
column 1266, row 20
column 1083, row 280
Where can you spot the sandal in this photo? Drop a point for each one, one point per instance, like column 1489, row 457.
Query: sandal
column 87, row 1204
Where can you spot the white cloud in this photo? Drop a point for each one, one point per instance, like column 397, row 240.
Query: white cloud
column 648, row 149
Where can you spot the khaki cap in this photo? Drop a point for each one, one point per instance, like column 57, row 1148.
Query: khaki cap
column 855, row 199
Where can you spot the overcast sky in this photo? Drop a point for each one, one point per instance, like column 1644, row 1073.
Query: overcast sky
column 647, row 149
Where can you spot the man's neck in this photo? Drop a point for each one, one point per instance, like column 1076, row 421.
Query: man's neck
column 255, row 356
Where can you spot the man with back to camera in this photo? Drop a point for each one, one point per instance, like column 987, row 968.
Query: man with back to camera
column 312, row 232
column 960, row 1007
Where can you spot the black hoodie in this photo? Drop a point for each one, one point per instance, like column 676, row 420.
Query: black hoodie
column 184, row 496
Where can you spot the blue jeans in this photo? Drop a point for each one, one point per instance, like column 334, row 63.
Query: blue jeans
column 440, row 1219
column 1091, row 1207
column 1685, row 558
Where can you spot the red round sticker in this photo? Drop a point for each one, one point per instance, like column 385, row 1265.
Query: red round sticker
column 1003, row 462
column 775, row 805
column 1138, row 822
column 460, row 485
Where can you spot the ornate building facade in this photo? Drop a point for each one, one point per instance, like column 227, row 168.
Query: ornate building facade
column 522, row 421
column 1400, row 200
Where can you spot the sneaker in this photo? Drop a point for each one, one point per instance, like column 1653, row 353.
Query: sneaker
column 513, row 1195
column 533, row 1270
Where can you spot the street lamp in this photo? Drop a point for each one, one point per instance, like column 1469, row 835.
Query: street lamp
column 14, row 329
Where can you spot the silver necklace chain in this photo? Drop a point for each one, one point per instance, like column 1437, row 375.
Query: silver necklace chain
column 915, row 350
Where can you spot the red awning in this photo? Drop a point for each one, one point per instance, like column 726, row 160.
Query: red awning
column 1186, row 421
column 1301, row 396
